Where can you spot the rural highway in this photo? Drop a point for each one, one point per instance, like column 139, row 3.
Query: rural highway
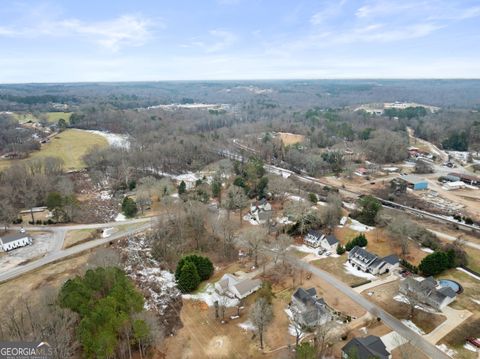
column 59, row 236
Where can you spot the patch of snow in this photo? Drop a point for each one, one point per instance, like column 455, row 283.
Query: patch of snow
column 296, row 198
column 120, row 217
column 343, row 221
column 113, row 139
column 209, row 295
column 350, row 269
column 412, row 326
column 305, row 249
column 349, row 205
column 467, row 272
column 150, row 278
column 293, row 331
column 359, row 227
column 446, row 350
column 248, row 325
column 428, row 250
column 104, row 195
column 279, row 171
column 401, row 298
column 470, row 347
column 476, row 301
column 284, row 220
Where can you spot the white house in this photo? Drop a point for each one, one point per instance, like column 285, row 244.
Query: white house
column 15, row 240
column 236, row 287
column 316, row 239
column 371, row 263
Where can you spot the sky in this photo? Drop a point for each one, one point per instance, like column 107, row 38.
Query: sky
column 154, row 40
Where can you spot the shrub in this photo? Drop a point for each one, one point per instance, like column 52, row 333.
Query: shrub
column 182, row 188
column 38, row 221
column 435, row 263
column 468, row 220
column 412, row 268
column 129, row 207
column 312, row 197
column 132, row 185
column 203, row 265
column 188, row 278
column 359, row 240
column 340, row 249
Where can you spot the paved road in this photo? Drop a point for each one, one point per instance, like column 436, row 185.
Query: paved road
column 450, row 238
column 431, row 350
column 60, row 253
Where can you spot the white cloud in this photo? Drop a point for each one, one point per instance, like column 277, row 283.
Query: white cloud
column 126, row 30
column 329, row 10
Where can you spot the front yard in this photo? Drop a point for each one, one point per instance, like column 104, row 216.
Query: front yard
column 383, row 296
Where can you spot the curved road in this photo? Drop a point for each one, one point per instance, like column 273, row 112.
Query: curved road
column 59, row 235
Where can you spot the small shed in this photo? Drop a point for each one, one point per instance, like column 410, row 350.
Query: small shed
column 415, row 183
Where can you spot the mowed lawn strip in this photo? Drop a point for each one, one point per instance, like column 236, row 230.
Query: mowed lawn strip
column 70, row 145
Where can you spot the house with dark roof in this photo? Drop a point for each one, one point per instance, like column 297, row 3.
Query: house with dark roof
column 15, row 240
column 370, row 347
column 309, row 310
column 317, row 239
column 427, row 291
column 370, row 263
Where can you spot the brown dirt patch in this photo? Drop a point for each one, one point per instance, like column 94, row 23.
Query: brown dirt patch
column 290, row 138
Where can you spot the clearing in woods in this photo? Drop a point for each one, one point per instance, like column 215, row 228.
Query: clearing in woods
column 51, row 117
column 70, row 145
column 290, row 138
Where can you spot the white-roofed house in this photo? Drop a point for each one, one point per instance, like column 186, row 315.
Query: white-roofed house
column 233, row 286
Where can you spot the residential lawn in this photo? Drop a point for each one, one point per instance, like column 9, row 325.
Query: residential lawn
column 473, row 256
column 78, row 236
column 335, row 267
column 383, row 296
column 456, row 338
column 70, row 145
column 471, row 290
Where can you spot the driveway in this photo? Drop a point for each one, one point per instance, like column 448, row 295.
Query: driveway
column 454, row 319
column 415, row 339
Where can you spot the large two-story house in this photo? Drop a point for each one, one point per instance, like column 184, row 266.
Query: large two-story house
column 427, row 291
column 371, row 263
column 317, row 239
column 309, row 310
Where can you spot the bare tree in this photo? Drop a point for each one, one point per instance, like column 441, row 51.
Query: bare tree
column 281, row 246
column 254, row 238
column 324, row 336
column 261, row 316
column 332, row 213
column 236, row 199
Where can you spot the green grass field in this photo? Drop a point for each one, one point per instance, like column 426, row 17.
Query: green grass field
column 70, row 145
column 52, row 117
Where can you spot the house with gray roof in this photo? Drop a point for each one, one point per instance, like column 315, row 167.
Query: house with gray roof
column 317, row 239
column 308, row 310
column 370, row 347
column 15, row 240
column 368, row 262
column 427, row 291
column 233, row 286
